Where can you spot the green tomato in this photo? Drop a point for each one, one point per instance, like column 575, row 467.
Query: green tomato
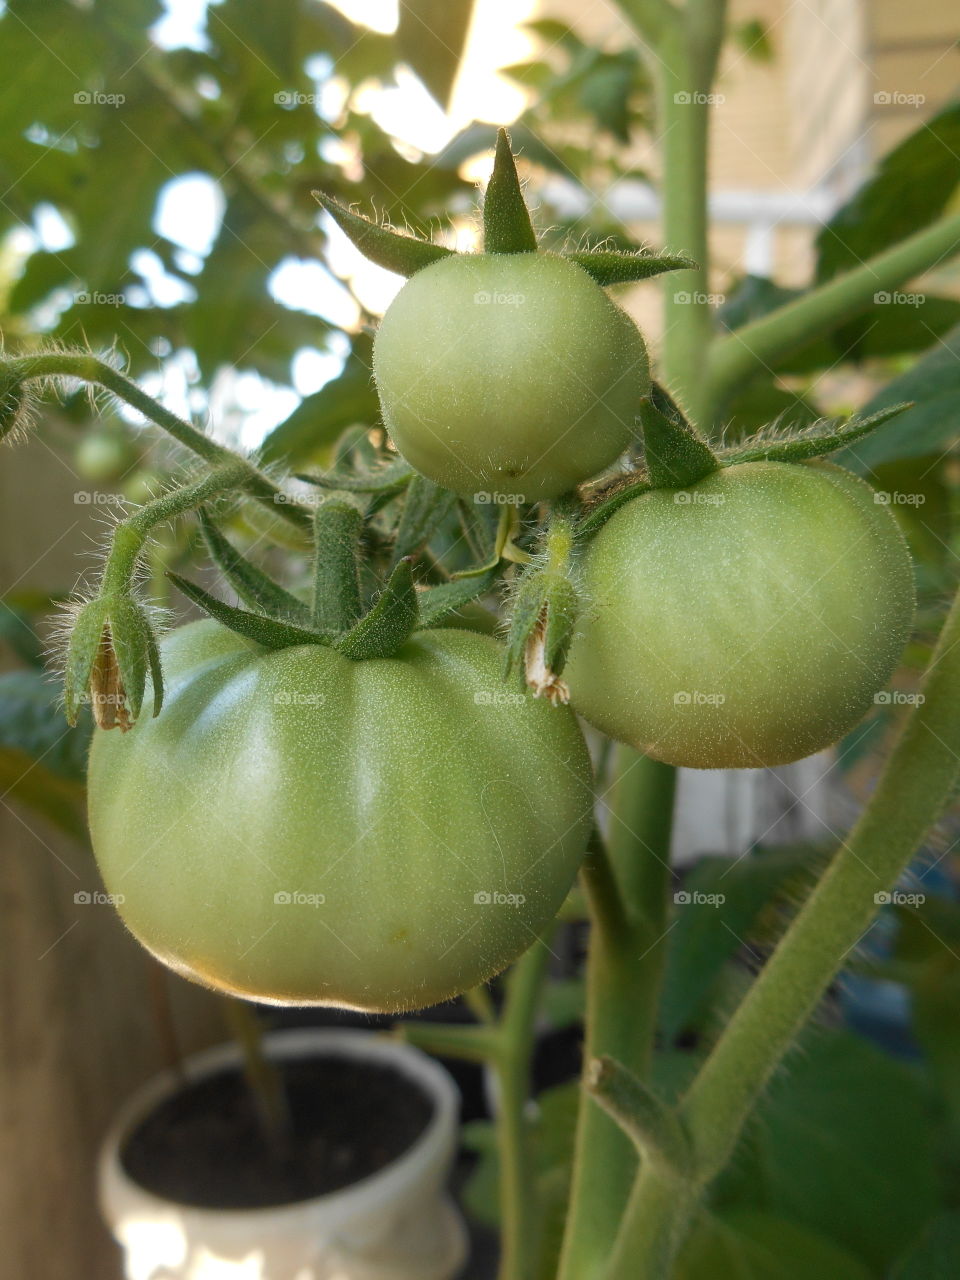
column 298, row 828
column 747, row 621
column 508, row 375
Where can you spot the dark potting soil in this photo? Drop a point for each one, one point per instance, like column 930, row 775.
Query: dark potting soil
column 205, row 1145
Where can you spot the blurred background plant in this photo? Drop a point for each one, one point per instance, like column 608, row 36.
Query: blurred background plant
column 157, row 170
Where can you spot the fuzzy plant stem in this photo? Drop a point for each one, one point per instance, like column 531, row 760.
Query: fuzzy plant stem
column 88, row 368
column 627, row 894
column 129, row 537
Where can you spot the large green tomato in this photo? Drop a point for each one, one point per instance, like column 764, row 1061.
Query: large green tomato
column 299, row 828
column 508, row 375
column 749, row 620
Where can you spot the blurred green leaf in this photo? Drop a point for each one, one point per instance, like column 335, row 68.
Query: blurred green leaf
column 431, row 37
column 909, row 189
column 843, row 1145
column 42, row 759
column 316, row 423
column 936, row 1255
column 708, row 933
column 748, row 1245
column 933, row 384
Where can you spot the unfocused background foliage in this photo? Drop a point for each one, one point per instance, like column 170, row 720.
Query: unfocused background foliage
column 156, row 204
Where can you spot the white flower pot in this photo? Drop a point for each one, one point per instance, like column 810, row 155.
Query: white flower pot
column 397, row 1224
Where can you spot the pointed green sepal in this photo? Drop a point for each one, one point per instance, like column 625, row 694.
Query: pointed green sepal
column 389, row 624
column 156, row 671
column 541, row 630
column 391, row 479
column 613, row 267
column 86, row 637
column 252, row 626
column 437, row 603
column 130, row 640
column 506, row 220
column 338, row 526
column 676, row 456
column 389, row 249
column 252, row 585
column 814, row 441
column 425, row 507
column 110, row 651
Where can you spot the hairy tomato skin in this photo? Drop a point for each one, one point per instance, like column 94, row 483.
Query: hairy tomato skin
column 783, row 589
column 509, row 374
column 397, row 789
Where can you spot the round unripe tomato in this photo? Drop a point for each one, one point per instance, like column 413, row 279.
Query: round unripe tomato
column 746, row 621
column 508, row 374
column 298, row 828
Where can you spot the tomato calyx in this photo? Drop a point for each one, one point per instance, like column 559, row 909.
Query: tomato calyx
column 677, row 457
column 111, row 649
column 545, row 612
column 506, row 229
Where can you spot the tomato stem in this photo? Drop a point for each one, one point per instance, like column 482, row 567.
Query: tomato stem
column 626, row 888
column 87, row 368
column 759, row 345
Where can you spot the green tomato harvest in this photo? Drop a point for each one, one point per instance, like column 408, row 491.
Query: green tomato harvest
column 299, row 828
column 508, row 374
column 747, row 621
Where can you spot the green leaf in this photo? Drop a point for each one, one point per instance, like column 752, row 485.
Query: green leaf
column 933, row 385
column 251, row 584
column 42, row 758
column 425, row 507
column 748, row 1245
column 437, row 603
column 936, row 1255
column 910, row 189
column 389, row 624
column 708, row 933
column 506, row 219
column 843, row 1144
column 253, row 626
column 607, row 266
column 389, row 249
column 431, row 36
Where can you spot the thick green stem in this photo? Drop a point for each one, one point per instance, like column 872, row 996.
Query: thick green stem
column 627, row 895
column 87, row 368
column 685, row 46
column 758, row 346
column 518, row 1194
column 916, row 783
column 656, row 1219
